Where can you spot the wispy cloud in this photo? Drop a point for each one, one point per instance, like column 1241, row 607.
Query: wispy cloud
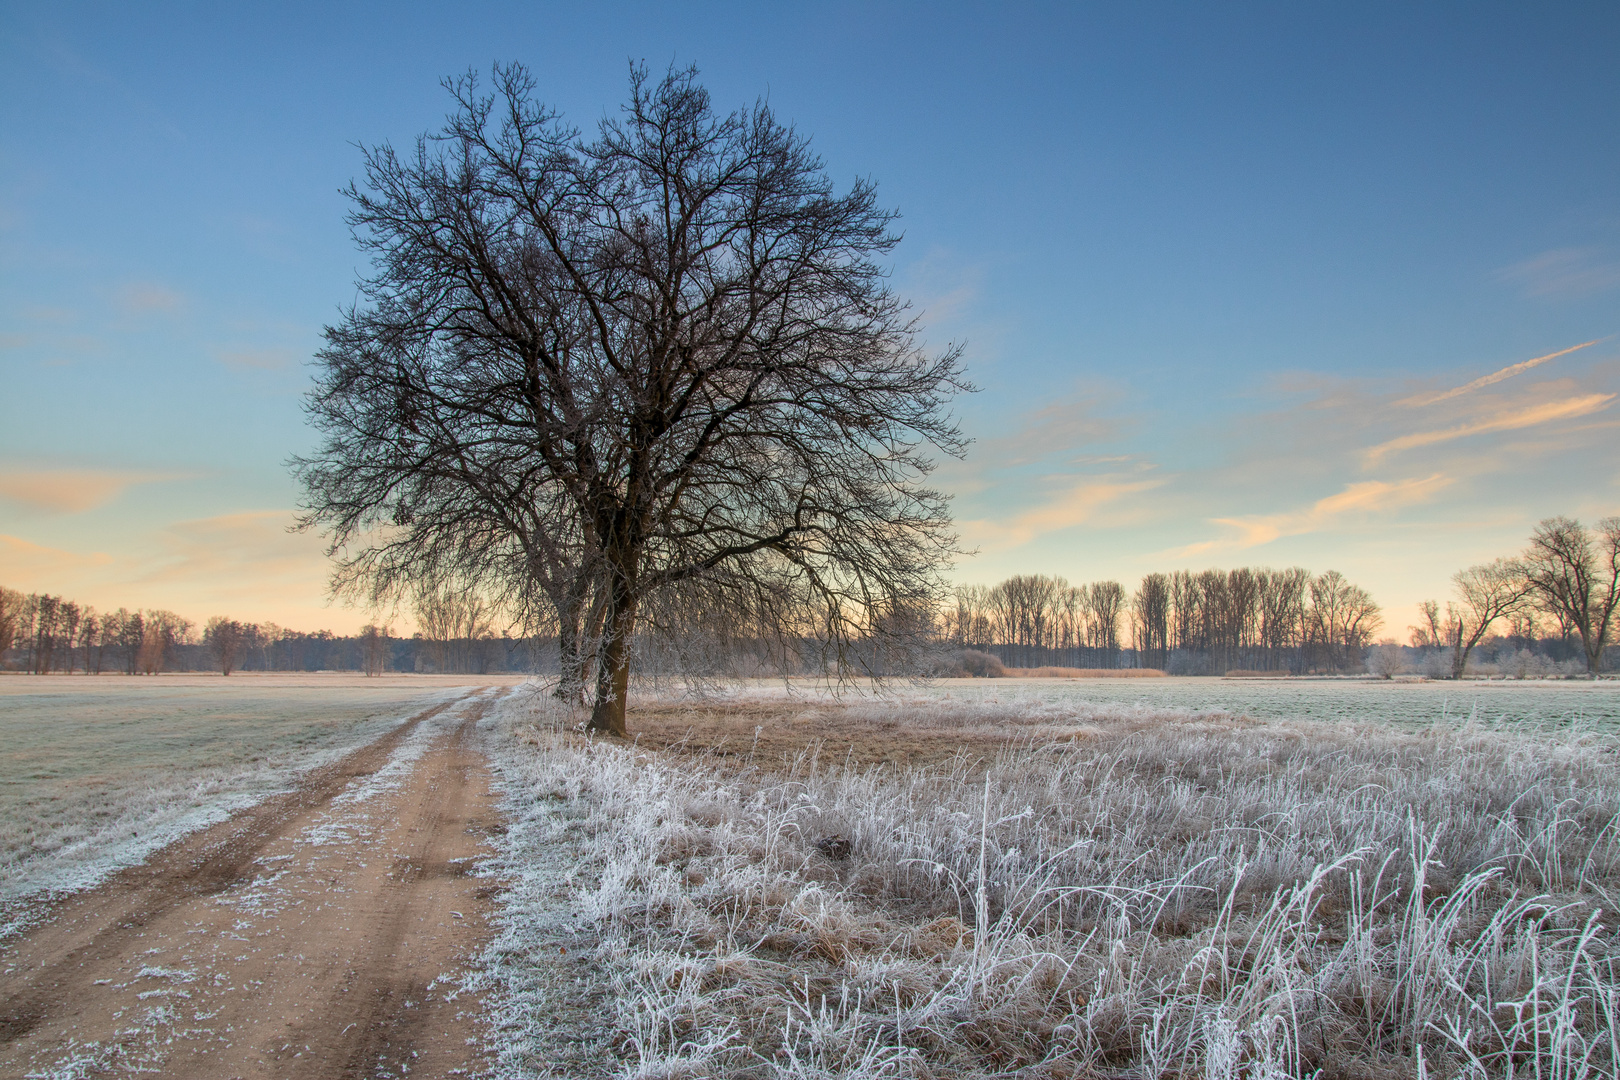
column 23, row 561
column 1509, row 420
column 71, row 491
column 1053, row 430
column 1074, row 505
column 1494, row 377
column 57, row 315
column 1570, row 273
column 252, row 551
column 942, row 285
column 257, row 359
column 141, row 297
column 1366, row 497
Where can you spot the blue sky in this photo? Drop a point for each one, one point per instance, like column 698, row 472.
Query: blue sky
column 1216, row 266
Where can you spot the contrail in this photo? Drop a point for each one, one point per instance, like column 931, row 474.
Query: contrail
column 1498, row 376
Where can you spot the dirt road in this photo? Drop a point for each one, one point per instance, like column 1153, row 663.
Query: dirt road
column 319, row 934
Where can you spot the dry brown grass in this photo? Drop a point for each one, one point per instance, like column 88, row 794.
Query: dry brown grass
column 774, row 734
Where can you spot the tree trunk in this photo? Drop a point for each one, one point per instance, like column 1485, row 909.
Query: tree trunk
column 570, row 656
column 613, row 659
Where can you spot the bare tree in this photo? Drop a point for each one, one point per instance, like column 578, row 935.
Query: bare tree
column 160, row 632
column 1485, row 593
column 1429, row 633
column 89, row 634
column 374, row 649
column 1575, row 575
column 1384, row 659
column 1282, row 616
column 1152, row 623
column 455, row 620
column 1342, row 619
column 11, row 605
column 668, row 352
column 128, row 630
column 226, row 639
column 1105, row 603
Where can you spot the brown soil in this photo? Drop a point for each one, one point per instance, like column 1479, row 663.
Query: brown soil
column 310, row 936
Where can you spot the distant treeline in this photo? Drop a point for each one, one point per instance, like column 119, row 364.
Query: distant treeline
column 1554, row 609
column 44, row 634
column 1182, row 622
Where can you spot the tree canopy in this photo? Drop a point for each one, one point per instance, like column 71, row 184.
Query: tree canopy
column 661, row 365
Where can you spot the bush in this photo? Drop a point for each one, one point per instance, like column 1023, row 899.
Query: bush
column 972, row 664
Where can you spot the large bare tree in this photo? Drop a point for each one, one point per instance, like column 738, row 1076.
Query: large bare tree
column 666, row 354
column 1575, row 575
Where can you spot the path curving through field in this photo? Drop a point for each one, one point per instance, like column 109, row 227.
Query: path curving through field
column 322, row 933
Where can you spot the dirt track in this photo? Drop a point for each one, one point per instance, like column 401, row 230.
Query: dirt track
column 319, row 934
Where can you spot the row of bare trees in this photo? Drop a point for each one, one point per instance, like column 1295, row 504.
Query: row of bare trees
column 44, row 635
column 1568, row 575
column 1214, row 620
column 1256, row 619
column 1032, row 619
column 55, row 634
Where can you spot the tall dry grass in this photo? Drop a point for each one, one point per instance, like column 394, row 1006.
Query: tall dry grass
column 1174, row 895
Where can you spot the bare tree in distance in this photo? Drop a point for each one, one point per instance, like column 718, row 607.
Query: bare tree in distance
column 1384, row 659
column 1429, row 633
column 1575, row 575
column 1152, row 622
column 668, row 351
column 1104, row 604
column 1485, row 593
column 226, row 639
column 374, row 649
column 454, row 619
column 11, row 604
column 160, row 632
column 89, row 634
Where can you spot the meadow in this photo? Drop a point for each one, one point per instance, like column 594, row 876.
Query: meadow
column 982, row 881
column 1510, row 703
column 96, row 772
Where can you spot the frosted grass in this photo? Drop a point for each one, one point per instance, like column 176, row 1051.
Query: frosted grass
column 1490, row 703
column 1187, row 894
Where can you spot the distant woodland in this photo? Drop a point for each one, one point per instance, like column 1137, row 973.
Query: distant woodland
column 1549, row 611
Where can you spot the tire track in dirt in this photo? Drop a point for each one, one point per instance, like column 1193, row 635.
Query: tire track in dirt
column 315, row 935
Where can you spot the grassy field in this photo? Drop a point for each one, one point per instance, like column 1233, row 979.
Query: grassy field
column 934, row 886
column 97, row 772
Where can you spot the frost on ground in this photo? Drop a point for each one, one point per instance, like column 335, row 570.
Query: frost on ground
column 1121, row 892
column 329, row 930
column 63, row 836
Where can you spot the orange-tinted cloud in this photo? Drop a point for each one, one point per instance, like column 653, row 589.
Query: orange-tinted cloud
column 70, row 491
column 22, row 561
column 1511, row 420
column 1362, row 498
column 1075, row 505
